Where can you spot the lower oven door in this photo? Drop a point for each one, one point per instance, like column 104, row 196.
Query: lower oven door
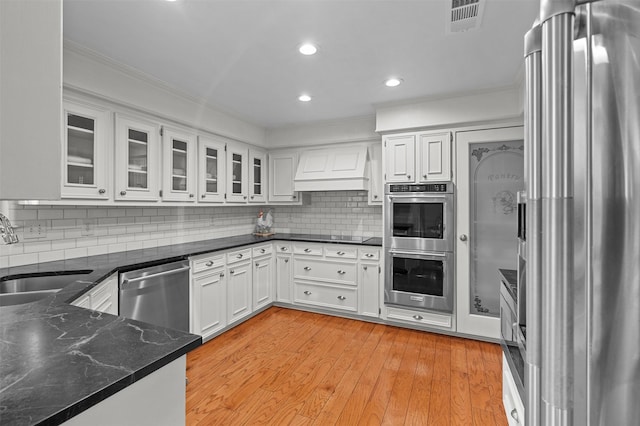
column 419, row 280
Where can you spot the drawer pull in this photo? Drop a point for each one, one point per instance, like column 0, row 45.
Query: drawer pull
column 257, row 264
column 283, row 248
column 417, row 317
column 307, row 250
column 515, row 416
column 341, row 272
column 221, row 274
column 262, row 250
column 342, row 298
column 340, row 253
column 209, row 263
column 306, row 268
column 307, row 292
column 369, row 255
column 239, row 256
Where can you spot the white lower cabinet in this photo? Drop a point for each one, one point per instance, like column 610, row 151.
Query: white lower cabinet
column 103, row 297
column 262, row 276
column 513, row 406
column 284, row 272
column 420, row 318
column 209, row 302
column 326, row 295
column 239, row 285
column 369, row 289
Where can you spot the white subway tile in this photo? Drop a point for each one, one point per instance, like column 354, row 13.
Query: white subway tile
column 97, row 250
column 116, row 248
column 50, row 256
column 135, row 245
column 23, row 259
column 4, row 261
column 87, row 242
column 37, row 246
column 75, row 252
column 63, row 244
column 50, row 214
column 75, row 213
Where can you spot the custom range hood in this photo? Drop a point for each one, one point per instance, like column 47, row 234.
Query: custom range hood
column 333, row 169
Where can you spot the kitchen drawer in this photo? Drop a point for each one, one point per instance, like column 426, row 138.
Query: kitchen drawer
column 238, row 256
column 308, row 249
column 419, row 317
column 326, row 296
column 207, row 262
column 326, row 271
column 262, row 250
column 369, row 254
column 341, row 252
column 513, row 406
column 283, row 247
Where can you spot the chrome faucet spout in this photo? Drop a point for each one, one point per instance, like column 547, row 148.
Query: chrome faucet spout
column 7, row 230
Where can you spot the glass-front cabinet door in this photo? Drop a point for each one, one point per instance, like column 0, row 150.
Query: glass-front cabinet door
column 85, row 153
column 237, row 173
column 179, row 161
column 257, row 176
column 137, row 165
column 211, row 167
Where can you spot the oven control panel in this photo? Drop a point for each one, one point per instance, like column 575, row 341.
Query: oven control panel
column 446, row 187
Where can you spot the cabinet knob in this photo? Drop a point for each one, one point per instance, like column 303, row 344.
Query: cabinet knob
column 232, row 272
column 307, row 292
column 191, row 195
column 424, row 176
column 101, row 191
column 286, row 261
column 417, row 317
column 306, row 268
column 463, row 237
column 409, row 177
column 340, row 253
column 514, row 415
column 294, row 197
column 221, row 274
column 239, row 256
column 251, row 197
column 262, row 250
column 307, row 250
column 342, row 298
column 245, row 197
column 209, row 263
column 203, row 196
column 375, row 197
column 257, row 264
column 368, row 255
column 283, row 248
column 123, row 193
column 364, row 267
column 341, row 272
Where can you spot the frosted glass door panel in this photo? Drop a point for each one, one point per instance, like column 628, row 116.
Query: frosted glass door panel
column 138, row 159
column 179, row 165
column 236, row 182
column 257, row 176
column 495, row 177
column 212, row 170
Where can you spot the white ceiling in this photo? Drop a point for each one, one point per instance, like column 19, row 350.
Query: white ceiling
column 241, row 56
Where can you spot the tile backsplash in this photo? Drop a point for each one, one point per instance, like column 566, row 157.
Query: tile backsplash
column 77, row 231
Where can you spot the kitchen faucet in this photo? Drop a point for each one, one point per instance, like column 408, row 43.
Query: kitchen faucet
column 7, row 230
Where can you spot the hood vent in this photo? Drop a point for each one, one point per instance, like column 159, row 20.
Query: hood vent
column 335, row 169
column 465, row 15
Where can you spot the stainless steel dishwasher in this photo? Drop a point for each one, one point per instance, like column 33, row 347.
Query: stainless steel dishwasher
column 157, row 295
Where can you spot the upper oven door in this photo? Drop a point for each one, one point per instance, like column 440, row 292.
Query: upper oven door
column 423, row 222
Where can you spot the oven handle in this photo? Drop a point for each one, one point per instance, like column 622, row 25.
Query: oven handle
column 412, row 255
column 421, row 199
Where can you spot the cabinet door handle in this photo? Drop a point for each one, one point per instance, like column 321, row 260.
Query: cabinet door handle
column 463, row 237
column 340, row 253
column 307, row 250
column 232, row 272
column 369, row 255
column 286, row 261
column 417, row 317
column 123, row 193
column 101, row 191
column 239, row 256
column 307, row 292
column 341, row 272
column 514, row 414
column 342, row 298
column 209, row 263
column 262, row 250
column 306, row 268
column 364, row 267
column 191, row 195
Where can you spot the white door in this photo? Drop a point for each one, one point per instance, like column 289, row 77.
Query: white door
column 282, row 169
column 262, row 272
column 399, row 158
column 239, row 287
column 434, row 155
column 211, row 170
column 489, row 168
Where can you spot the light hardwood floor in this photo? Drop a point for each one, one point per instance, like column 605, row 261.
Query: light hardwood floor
column 290, row 367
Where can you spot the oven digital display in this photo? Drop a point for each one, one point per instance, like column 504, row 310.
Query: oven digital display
column 429, row 187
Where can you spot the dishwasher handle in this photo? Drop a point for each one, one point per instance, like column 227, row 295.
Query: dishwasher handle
column 126, row 282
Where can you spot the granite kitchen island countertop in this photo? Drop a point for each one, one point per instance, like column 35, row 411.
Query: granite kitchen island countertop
column 57, row 360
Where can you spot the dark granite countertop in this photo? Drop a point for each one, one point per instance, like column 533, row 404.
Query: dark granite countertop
column 57, row 360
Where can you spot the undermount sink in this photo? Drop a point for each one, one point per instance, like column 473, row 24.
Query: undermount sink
column 25, row 288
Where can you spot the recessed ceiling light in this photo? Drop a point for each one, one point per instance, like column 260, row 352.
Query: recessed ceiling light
column 304, row 98
column 308, row 49
column 393, row 82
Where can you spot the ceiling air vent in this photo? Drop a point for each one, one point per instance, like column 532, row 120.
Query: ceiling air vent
column 465, row 15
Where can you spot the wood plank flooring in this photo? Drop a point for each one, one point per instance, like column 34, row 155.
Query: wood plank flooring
column 288, row 367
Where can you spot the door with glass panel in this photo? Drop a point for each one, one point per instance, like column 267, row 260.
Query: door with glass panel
column 490, row 172
column 257, row 176
column 179, row 163
column 85, row 156
column 237, row 173
column 211, row 169
column 137, row 166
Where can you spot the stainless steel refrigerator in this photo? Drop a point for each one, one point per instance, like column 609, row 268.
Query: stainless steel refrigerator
column 582, row 172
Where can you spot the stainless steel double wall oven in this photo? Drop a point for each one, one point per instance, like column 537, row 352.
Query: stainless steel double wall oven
column 419, row 245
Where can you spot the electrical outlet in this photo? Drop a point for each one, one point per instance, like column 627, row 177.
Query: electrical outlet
column 89, row 227
column 35, row 229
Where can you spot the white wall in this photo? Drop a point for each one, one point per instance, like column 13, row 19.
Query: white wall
column 89, row 72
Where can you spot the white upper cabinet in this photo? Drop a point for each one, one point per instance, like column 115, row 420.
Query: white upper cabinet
column 332, row 169
column 417, row 157
column 282, row 169
column 434, row 157
column 376, row 186
column 179, row 164
column 137, row 164
column 237, row 173
column 211, row 170
column 399, row 158
column 257, row 176
column 86, row 151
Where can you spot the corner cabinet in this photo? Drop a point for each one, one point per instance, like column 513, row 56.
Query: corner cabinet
column 86, row 161
column 211, row 170
column 137, row 154
column 237, row 173
column 179, row 165
column 282, row 170
column 417, row 157
column 257, row 176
